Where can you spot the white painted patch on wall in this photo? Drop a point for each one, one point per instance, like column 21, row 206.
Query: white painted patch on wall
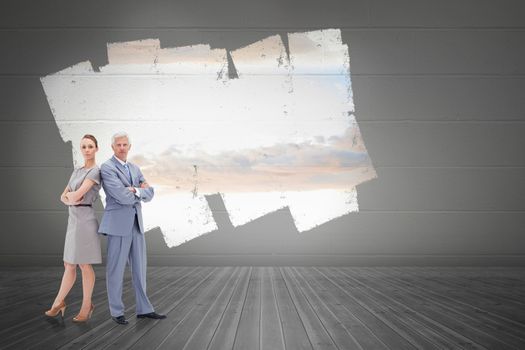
column 281, row 134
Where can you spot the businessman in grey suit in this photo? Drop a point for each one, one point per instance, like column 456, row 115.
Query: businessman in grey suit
column 125, row 188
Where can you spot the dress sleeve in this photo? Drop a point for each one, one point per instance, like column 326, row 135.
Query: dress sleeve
column 71, row 179
column 94, row 174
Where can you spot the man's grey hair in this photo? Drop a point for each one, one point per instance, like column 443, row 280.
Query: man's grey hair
column 118, row 135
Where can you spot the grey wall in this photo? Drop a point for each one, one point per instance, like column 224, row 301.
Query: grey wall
column 439, row 93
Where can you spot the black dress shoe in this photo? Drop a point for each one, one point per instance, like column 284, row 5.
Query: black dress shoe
column 152, row 315
column 120, row 319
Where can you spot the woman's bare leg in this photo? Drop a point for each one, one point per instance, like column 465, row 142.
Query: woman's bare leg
column 68, row 280
column 88, row 283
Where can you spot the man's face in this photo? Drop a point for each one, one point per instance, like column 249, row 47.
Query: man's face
column 121, row 148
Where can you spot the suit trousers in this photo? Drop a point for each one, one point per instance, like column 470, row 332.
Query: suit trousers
column 120, row 250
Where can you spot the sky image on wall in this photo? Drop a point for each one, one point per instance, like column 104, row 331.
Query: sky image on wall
column 282, row 133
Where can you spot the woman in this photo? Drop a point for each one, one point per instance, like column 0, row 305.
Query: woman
column 82, row 244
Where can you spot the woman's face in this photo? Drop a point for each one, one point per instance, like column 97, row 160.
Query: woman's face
column 88, row 148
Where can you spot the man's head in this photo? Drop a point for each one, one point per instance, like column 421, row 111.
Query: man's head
column 121, row 145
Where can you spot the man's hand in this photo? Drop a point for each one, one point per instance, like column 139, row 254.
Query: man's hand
column 132, row 189
column 144, row 185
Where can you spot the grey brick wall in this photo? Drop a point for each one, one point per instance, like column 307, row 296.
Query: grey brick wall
column 439, row 89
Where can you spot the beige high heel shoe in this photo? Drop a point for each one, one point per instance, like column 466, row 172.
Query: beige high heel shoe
column 80, row 318
column 54, row 311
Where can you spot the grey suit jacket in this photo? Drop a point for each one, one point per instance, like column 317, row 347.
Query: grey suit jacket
column 121, row 203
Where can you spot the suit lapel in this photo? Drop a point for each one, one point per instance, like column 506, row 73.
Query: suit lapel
column 123, row 171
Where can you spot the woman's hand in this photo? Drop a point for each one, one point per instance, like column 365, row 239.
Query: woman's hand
column 64, row 199
column 144, row 185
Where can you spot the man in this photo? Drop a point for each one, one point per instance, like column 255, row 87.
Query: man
column 125, row 188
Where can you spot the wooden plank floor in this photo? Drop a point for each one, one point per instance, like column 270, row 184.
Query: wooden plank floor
column 242, row 307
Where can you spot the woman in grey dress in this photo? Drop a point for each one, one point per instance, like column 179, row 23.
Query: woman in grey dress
column 82, row 243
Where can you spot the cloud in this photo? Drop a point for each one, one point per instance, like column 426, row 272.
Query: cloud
column 291, row 166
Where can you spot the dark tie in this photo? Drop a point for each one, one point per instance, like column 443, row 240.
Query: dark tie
column 129, row 173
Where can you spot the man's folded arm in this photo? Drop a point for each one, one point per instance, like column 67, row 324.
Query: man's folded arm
column 115, row 188
column 146, row 193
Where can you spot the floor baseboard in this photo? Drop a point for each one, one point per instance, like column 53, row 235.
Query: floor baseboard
column 292, row 260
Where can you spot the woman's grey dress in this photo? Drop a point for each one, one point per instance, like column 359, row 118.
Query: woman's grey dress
column 82, row 245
